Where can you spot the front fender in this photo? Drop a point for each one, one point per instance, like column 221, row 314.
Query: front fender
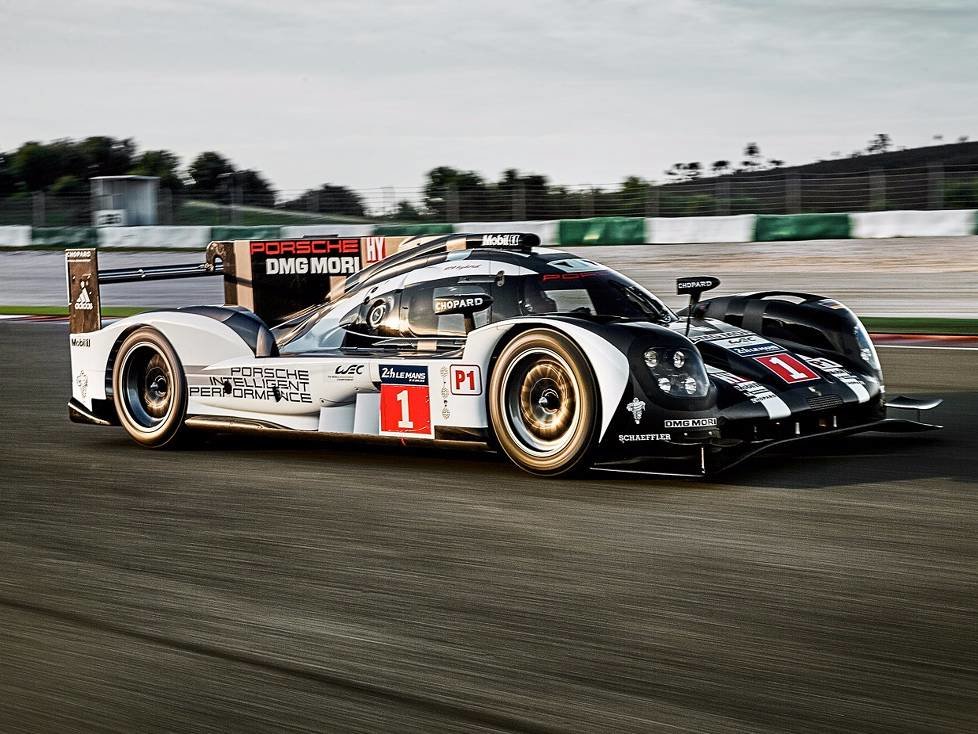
column 609, row 364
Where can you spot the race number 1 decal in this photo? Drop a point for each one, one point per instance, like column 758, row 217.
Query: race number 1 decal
column 405, row 406
column 787, row 368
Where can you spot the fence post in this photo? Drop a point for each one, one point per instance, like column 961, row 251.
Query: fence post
column 37, row 201
column 452, row 207
column 721, row 196
column 587, row 203
column 935, row 185
column 877, row 189
column 652, row 201
column 792, row 195
column 235, row 199
column 519, row 202
column 164, row 207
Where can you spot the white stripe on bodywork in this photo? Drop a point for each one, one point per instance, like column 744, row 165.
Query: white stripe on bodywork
column 754, row 391
column 842, row 375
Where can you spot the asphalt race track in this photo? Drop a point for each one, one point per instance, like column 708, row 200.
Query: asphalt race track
column 265, row 584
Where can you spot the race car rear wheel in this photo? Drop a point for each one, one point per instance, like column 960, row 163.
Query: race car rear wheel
column 542, row 403
column 149, row 389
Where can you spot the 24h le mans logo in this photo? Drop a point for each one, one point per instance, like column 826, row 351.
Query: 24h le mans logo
column 636, row 408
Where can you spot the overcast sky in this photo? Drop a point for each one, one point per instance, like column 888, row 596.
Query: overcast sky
column 370, row 94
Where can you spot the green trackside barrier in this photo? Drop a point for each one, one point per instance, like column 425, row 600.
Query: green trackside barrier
column 601, row 231
column 64, row 236
column 413, row 230
column 268, row 232
column 776, row 227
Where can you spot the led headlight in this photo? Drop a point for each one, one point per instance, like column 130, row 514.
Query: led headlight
column 867, row 352
column 677, row 372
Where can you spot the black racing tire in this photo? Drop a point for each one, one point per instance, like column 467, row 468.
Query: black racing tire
column 543, row 404
column 149, row 389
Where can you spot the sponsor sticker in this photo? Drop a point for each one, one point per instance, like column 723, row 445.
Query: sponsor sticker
column 405, row 400
column 452, row 304
column 308, row 257
column 755, row 349
column 274, row 248
column 254, row 383
column 501, row 240
column 748, row 345
column 396, row 374
column 312, row 265
column 466, row 379
column 81, row 341
column 721, row 335
column 637, row 408
column 690, row 423
column 842, row 375
column 630, row 437
column 788, row 368
column 375, row 249
column 754, row 391
column 84, row 300
column 82, row 382
column 346, row 372
column 692, row 285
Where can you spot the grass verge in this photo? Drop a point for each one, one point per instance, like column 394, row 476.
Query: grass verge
column 920, row 325
column 110, row 311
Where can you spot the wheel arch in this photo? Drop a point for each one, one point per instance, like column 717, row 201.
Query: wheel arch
column 608, row 365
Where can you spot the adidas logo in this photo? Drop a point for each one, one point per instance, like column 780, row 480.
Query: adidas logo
column 84, row 301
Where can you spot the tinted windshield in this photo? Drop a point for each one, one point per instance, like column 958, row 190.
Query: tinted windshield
column 598, row 293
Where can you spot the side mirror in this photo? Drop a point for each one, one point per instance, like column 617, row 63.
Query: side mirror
column 466, row 304
column 695, row 287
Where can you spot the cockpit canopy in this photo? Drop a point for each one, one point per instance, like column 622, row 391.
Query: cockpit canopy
column 515, row 284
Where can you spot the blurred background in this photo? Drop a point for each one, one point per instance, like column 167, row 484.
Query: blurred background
column 48, row 184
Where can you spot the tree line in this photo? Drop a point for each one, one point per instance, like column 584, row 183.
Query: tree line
column 63, row 167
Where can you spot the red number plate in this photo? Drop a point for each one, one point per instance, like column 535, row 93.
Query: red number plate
column 787, row 368
column 405, row 409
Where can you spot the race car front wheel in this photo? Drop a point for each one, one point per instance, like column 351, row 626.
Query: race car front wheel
column 149, row 389
column 542, row 403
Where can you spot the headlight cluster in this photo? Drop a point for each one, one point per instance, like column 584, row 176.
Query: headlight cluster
column 677, row 372
column 867, row 352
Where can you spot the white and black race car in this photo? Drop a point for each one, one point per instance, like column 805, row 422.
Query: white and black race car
column 553, row 359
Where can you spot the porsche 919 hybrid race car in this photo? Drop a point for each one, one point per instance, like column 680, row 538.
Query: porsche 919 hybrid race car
column 553, row 359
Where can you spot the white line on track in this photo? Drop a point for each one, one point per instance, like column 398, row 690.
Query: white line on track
column 920, row 346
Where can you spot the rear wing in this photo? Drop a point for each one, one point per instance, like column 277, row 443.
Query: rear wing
column 273, row 278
